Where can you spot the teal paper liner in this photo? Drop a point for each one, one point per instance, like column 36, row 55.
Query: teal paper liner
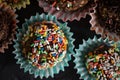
column 29, row 67
column 84, row 49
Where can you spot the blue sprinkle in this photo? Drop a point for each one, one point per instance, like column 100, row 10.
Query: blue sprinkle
column 95, row 69
column 60, row 40
column 38, row 38
column 42, row 49
column 52, row 38
column 54, row 54
column 110, row 78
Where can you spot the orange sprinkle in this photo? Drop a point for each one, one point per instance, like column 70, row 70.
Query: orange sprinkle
column 54, row 4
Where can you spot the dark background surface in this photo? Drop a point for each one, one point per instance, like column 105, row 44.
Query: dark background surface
column 9, row 70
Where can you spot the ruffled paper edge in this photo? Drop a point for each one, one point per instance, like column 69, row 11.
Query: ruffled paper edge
column 14, row 25
column 95, row 26
column 65, row 16
column 19, row 5
column 85, row 48
column 49, row 71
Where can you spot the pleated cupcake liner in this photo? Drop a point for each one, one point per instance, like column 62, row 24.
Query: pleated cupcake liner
column 19, row 5
column 83, row 50
column 95, row 26
column 64, row 15
column 29, row 67
column 4, row 44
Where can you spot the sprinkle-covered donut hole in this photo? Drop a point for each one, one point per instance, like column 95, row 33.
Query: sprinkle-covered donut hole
column 103, row 62
column 7, row 25
column 67, row 5
column 109, row 15
column 44, row 45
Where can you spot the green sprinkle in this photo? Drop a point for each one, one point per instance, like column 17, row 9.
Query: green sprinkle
column 39, row 52
column 99, row 72
column 117, row 50
column 45, row 52
column 95, row 60
column 56, row 47
column 103, row 58
column 43, row 59
column 36, row 34
column 32, row 45
column 90, row 57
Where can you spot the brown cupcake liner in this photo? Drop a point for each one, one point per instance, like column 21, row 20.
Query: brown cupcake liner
column 12, row 28
column 95, row 25
column 17, row 5
column 66, row 15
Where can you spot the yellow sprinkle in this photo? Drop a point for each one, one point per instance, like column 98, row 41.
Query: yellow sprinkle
column 38, row 46
column 115, row 45
column 30, row 28
column 55, row 27
column 45, row 27
column 31, row 34
column 111, row 50
column 112, row 61
column 39, row 30
column 45, row 34
column 99, row 56
column 53, row 58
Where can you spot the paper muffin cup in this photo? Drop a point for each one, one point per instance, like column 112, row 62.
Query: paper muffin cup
column 8, row 26
column 97, row 26
column 84, row 49
column 17, row 5
column 29, row 67
column 67, row 15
